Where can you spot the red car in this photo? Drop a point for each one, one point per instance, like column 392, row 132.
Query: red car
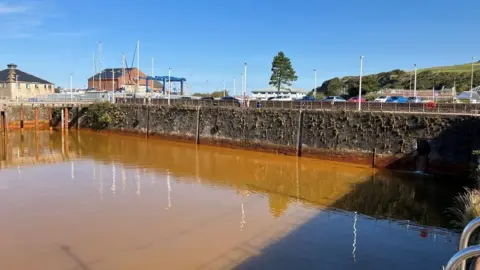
column 355, row 100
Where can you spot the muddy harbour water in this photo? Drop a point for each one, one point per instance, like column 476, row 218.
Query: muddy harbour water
column 91, row 201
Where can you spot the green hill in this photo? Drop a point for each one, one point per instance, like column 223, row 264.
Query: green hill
column 428, row 78
column 456, row 68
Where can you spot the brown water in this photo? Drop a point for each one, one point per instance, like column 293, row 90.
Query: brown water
column 94, row 202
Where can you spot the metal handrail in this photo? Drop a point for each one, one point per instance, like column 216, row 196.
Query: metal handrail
column 466, row 234
column 460, row 257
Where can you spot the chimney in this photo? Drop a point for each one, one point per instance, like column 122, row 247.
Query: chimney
column 12, row 72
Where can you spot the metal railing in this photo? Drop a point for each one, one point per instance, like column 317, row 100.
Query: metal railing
column 465, row 252
column 435, row 108
column 179, row 102
column 458, row 260
column 428, row 108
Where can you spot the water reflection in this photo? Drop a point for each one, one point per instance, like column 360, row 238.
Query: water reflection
column 169, row 190
column 295, row 207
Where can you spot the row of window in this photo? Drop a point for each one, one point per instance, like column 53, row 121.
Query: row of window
column 28, row 86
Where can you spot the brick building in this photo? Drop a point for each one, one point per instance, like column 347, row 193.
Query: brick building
column 118, row 80
column 16, row 84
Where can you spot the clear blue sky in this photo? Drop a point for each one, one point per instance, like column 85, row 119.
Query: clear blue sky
column 210, row 40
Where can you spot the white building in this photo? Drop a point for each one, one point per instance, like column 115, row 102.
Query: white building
column 16, row 84
column 290, row 92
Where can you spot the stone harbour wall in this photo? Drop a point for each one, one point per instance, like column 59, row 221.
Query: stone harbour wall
column 451, row 143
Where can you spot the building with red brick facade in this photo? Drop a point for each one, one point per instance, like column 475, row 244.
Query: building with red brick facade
column 118, row 79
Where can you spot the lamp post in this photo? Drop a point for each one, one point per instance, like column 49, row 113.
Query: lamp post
column 169, row 86
column 71, row 87
column 471, row 82
column 234, row 87
column 315, row 84
column 113, row 85
column 360, row 85
column 415, row 81
column 245, row 85
column 224, row 88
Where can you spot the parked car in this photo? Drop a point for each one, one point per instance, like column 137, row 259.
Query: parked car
column 414, row 100
column 307, row 98
column 355, row 99
column 228, row 98
column 397, row 99
column 282, row 98
column 382, row 99
column 206, row 98
column 334, row 99
column 185, row 98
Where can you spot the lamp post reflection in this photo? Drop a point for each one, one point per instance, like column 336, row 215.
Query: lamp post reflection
column 138, row 182
column 101, row 183
column 72, row 169
column 243, row 221
column 114, row 180
column 124, row 180
column 354, row 237
column 169, row 191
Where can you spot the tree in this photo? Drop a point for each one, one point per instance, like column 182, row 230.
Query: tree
column 200, row 95
column 334, row 87
column 282, row 71
column 218, row 94
column 369, row 84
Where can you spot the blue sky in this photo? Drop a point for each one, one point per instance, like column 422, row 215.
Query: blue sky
column 208, row 41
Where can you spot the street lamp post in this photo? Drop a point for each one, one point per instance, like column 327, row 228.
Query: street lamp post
column 315, row 84
column 113, row 85
column 234, row 87
column 71, row 87
column 245, row 85
column 169, row 85
column 224, row 88
column 415, row 81
column 471, row 82
column 360, row 85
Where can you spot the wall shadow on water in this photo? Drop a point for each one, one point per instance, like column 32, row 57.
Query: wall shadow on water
column 362, row 219
column 386, row 222
column 451, row 141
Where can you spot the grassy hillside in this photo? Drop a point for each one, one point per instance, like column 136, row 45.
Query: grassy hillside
column 428, row 78
column 455, row 68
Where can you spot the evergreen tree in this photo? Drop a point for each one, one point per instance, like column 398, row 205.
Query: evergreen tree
column 282, row 71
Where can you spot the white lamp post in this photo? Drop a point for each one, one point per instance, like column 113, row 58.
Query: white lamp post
column 360, row 85
column 415, row 81
column 471, row 82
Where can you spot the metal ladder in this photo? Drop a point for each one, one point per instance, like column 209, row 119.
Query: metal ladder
column 458, row 261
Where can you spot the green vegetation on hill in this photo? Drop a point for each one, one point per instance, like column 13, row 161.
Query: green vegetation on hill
column 438, row 77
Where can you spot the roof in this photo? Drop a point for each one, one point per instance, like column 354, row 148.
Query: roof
column 22, row 77
column 282, row 90
column 107, row 73
column 466, row 95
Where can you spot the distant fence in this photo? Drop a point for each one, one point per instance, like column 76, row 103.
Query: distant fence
column 184, row 102
column 436, row 108
column 439, row 108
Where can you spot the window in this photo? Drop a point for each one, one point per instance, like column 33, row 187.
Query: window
column 36, row 86
column 45, row 86
column 27, row 86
